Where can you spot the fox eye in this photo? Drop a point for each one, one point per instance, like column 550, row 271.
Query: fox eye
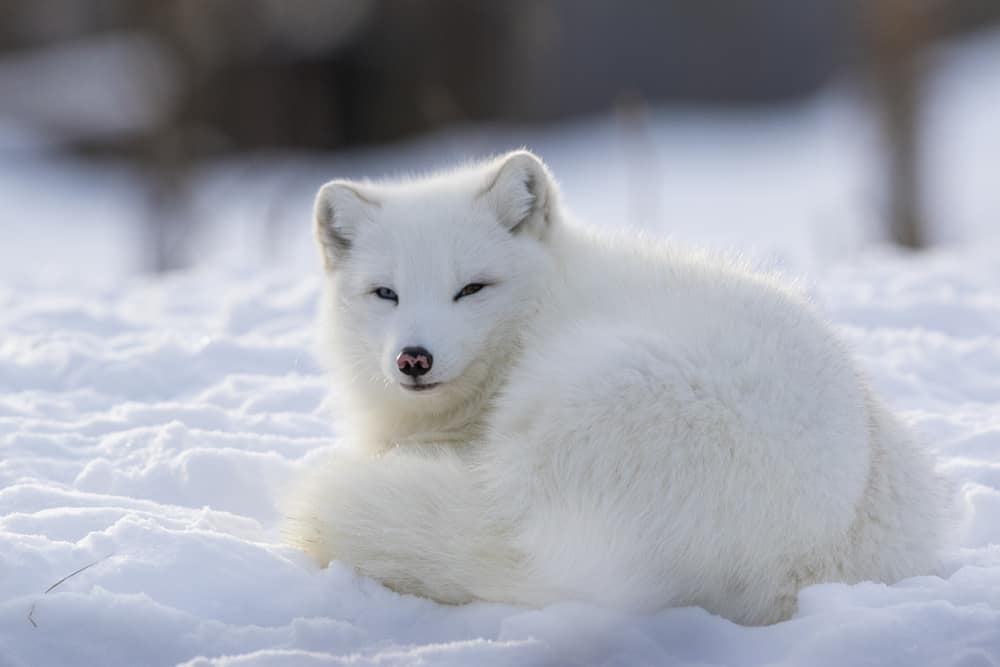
column 386, row 293
column 471, row 288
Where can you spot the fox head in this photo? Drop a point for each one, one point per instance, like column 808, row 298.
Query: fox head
column 430, row 281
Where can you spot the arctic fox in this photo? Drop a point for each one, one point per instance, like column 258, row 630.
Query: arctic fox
column 536, row 411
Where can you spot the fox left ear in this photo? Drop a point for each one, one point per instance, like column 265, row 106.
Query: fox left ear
column 340, row 207
column 522, row 194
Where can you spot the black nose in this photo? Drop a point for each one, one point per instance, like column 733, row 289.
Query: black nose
column 414, row 361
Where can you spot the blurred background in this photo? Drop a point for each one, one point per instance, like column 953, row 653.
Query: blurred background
column 144, row 137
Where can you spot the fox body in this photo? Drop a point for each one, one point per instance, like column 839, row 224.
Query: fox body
column 534, row 410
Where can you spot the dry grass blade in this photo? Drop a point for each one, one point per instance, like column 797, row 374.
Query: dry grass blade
column 31, row 612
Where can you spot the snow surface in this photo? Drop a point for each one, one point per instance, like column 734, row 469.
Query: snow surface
column 150, row 426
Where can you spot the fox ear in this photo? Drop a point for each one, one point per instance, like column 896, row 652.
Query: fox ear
column 521, row 192
column 340, row 206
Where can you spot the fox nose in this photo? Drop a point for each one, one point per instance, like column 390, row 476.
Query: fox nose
column 414, row 361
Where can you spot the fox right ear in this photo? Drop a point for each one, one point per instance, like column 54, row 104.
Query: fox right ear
column 522, row 193
column 340, row 206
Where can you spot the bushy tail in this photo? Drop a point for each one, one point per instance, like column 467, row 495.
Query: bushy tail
column 418, row 521
column 907, row 509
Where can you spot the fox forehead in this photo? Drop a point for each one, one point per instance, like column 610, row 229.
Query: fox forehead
column 450, row 223
column 411, row 245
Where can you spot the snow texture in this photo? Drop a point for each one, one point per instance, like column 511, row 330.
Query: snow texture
column 148, row 428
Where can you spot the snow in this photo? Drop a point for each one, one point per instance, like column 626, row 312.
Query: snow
column 151, row 426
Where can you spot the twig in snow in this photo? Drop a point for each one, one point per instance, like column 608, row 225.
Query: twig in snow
column 31, row 612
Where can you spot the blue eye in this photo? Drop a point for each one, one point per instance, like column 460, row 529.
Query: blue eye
column 386, row 293
column 469, row 289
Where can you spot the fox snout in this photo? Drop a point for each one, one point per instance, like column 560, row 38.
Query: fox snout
column 414, row 361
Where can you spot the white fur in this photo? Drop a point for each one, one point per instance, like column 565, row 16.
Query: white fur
column 619, row 421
